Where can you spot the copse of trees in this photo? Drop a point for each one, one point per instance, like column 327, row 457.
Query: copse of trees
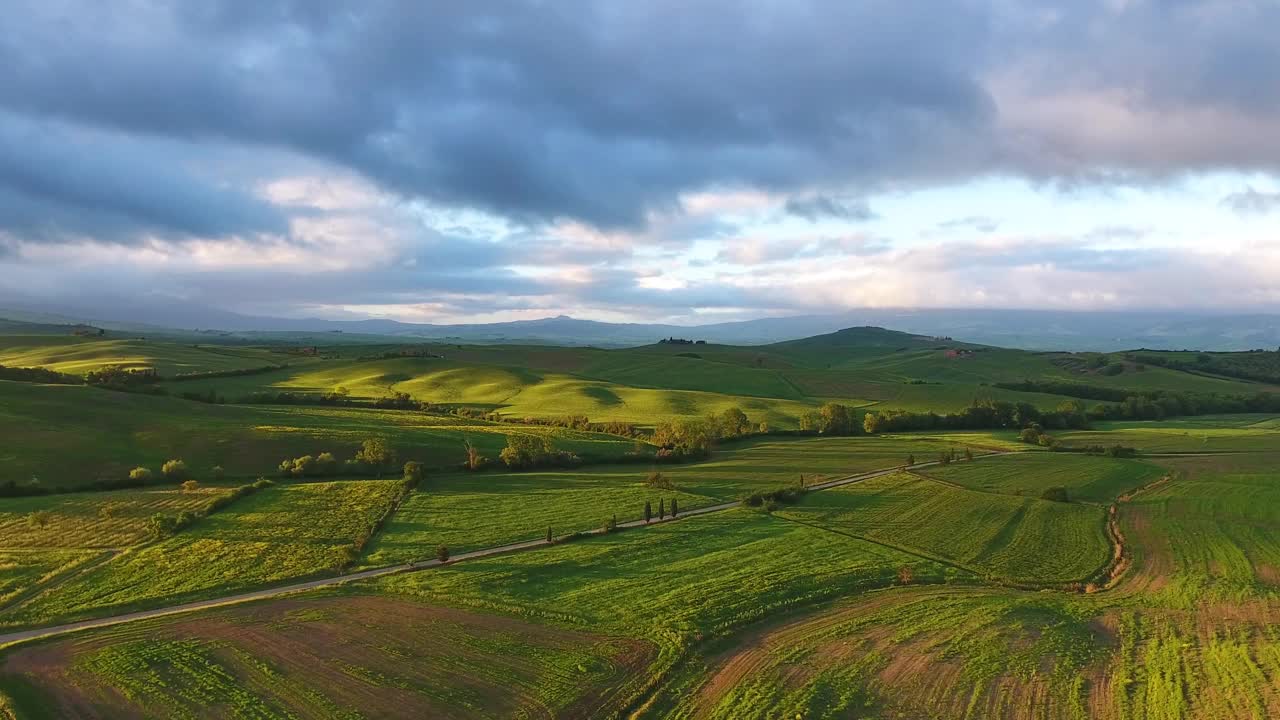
column 982, row 415
column 1150, row 404
column 114, row 377
column 38, row 375
column 683, row 438
column 527, row 451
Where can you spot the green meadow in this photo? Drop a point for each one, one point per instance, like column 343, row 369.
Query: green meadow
column 1021, row 583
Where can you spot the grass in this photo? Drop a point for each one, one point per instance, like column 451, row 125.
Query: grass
column 327, row 657
column 22, row 570
column 93, row 520
column 1002, row 537
column 468, row 511
column 77, row 356
column 68, row 436
column 902, row 653
column 282, row 533
column 1232, row 433
column 699, row 577
column 1087, row 478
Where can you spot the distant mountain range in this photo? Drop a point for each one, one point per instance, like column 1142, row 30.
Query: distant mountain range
column 1028, row 329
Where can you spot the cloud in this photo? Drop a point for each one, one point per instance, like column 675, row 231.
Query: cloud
column 57, row 182
column 981, row 223
column 1252, row 202
column 622, row 157
column 821, row 207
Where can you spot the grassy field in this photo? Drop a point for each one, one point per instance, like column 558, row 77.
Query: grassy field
column 69, row 436
column 93, row 520
column 998, row 536
column 350, row 657
column 467, row 511
column 1086, row 478
column 1231, row 433
column 77, row 356
column 282, row 533
column 942, row 592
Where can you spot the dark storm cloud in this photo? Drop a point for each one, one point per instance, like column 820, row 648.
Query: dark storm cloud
column 595, row 111
column 57, row 182
column 603, row 111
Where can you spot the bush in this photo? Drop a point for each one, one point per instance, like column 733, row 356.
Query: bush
column 326, row 464
column 442, row 554
column 1055, row 494
column 189, row 485
column 412, row 473
column 659, row 481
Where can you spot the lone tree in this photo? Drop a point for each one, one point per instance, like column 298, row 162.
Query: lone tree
column 376, row 454
column 140, row 474
column 413, row 473
column 174, row 470
column 548, row 533
column 662, row 508
column 442, row 554
column 675, row 508
column 189, row 485
column 648, row 511
column 474, row 460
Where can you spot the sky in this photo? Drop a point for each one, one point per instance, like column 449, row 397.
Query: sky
column 627, row 161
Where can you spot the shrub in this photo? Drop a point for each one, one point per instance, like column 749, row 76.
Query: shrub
column 412, row 473
column 1055, row 494
column 304, row 466
column 326, row 464
column 376, row 454
column 660, row 481
column 442, row 554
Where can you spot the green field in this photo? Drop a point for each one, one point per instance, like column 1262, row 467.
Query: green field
column 1232, row 433
column 998, row 536
column 93, row 520
column 467, row 511
column 77, row 356
column 1086, row 478
column 69, row 436
column 281, row 533
column 937, row 591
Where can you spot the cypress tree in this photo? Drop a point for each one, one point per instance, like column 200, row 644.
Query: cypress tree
column 675, row 508
column 662, row 508
column 548, row 533
column 648, row 511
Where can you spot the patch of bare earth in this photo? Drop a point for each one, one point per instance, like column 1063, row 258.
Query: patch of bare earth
column 383, row 657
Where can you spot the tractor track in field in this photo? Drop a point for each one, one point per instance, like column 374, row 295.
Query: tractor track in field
column 19, row 636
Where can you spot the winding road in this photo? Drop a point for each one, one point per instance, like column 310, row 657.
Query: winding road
column 12, row 638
